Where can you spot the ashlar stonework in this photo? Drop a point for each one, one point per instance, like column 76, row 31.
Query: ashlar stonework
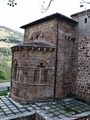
column 53, row 62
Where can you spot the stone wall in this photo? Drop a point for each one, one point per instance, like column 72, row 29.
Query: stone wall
column 83, row 75
column 60, row 62
column 38, row 117
column 24, row 86
column 83, row 19
column 67, row 57
column 83, row 72
column 45, row 31
column 32, row 117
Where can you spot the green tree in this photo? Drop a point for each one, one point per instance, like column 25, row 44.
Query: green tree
column 3, row 75
column 5, row 67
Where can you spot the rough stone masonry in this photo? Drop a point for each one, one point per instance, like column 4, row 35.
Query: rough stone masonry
column 53, row 62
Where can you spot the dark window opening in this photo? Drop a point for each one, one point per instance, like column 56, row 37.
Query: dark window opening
column 15, row 71
column 85, row 20
column 83, row 47
column 45, row 75
column 35, row 75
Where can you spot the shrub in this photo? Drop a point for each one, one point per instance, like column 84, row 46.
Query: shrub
column 3, row 75
column 4, row 93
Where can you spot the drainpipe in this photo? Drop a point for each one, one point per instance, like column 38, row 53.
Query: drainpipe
column 56, row 55
column 11, row 71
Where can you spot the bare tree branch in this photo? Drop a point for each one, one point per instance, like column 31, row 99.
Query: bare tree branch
column 85, row 2
column 43, row 9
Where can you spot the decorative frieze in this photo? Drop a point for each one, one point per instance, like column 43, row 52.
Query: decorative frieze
column 28, row 48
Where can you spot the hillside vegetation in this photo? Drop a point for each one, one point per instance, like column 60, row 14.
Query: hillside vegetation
column 6, row 45
column 8, row 38
column 5, row 64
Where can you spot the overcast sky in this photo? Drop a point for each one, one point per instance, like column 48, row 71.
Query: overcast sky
column 27, row 11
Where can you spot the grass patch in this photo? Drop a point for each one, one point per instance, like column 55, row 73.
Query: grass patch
column 67, row 109
column 4, row 93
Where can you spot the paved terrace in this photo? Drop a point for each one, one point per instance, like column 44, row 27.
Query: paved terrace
column 68, row 109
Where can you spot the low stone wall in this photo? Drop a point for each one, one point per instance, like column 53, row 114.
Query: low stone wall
column 32, row 117
column 36, row 116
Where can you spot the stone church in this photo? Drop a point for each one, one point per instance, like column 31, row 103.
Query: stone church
column 53, row 62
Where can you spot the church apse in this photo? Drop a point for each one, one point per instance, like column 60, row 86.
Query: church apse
column 33, row 72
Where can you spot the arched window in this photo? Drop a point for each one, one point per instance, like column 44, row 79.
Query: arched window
column 40, row 73
column 15, row 69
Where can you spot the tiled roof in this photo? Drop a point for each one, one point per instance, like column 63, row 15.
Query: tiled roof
column 36, row 44
column 50, row 17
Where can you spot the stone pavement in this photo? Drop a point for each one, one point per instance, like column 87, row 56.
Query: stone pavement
column 64, row 110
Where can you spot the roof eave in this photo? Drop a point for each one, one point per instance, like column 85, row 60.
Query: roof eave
column 56, row 15
column 84, row 11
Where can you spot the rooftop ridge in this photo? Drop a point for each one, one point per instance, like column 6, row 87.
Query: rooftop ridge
column 49, row 17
